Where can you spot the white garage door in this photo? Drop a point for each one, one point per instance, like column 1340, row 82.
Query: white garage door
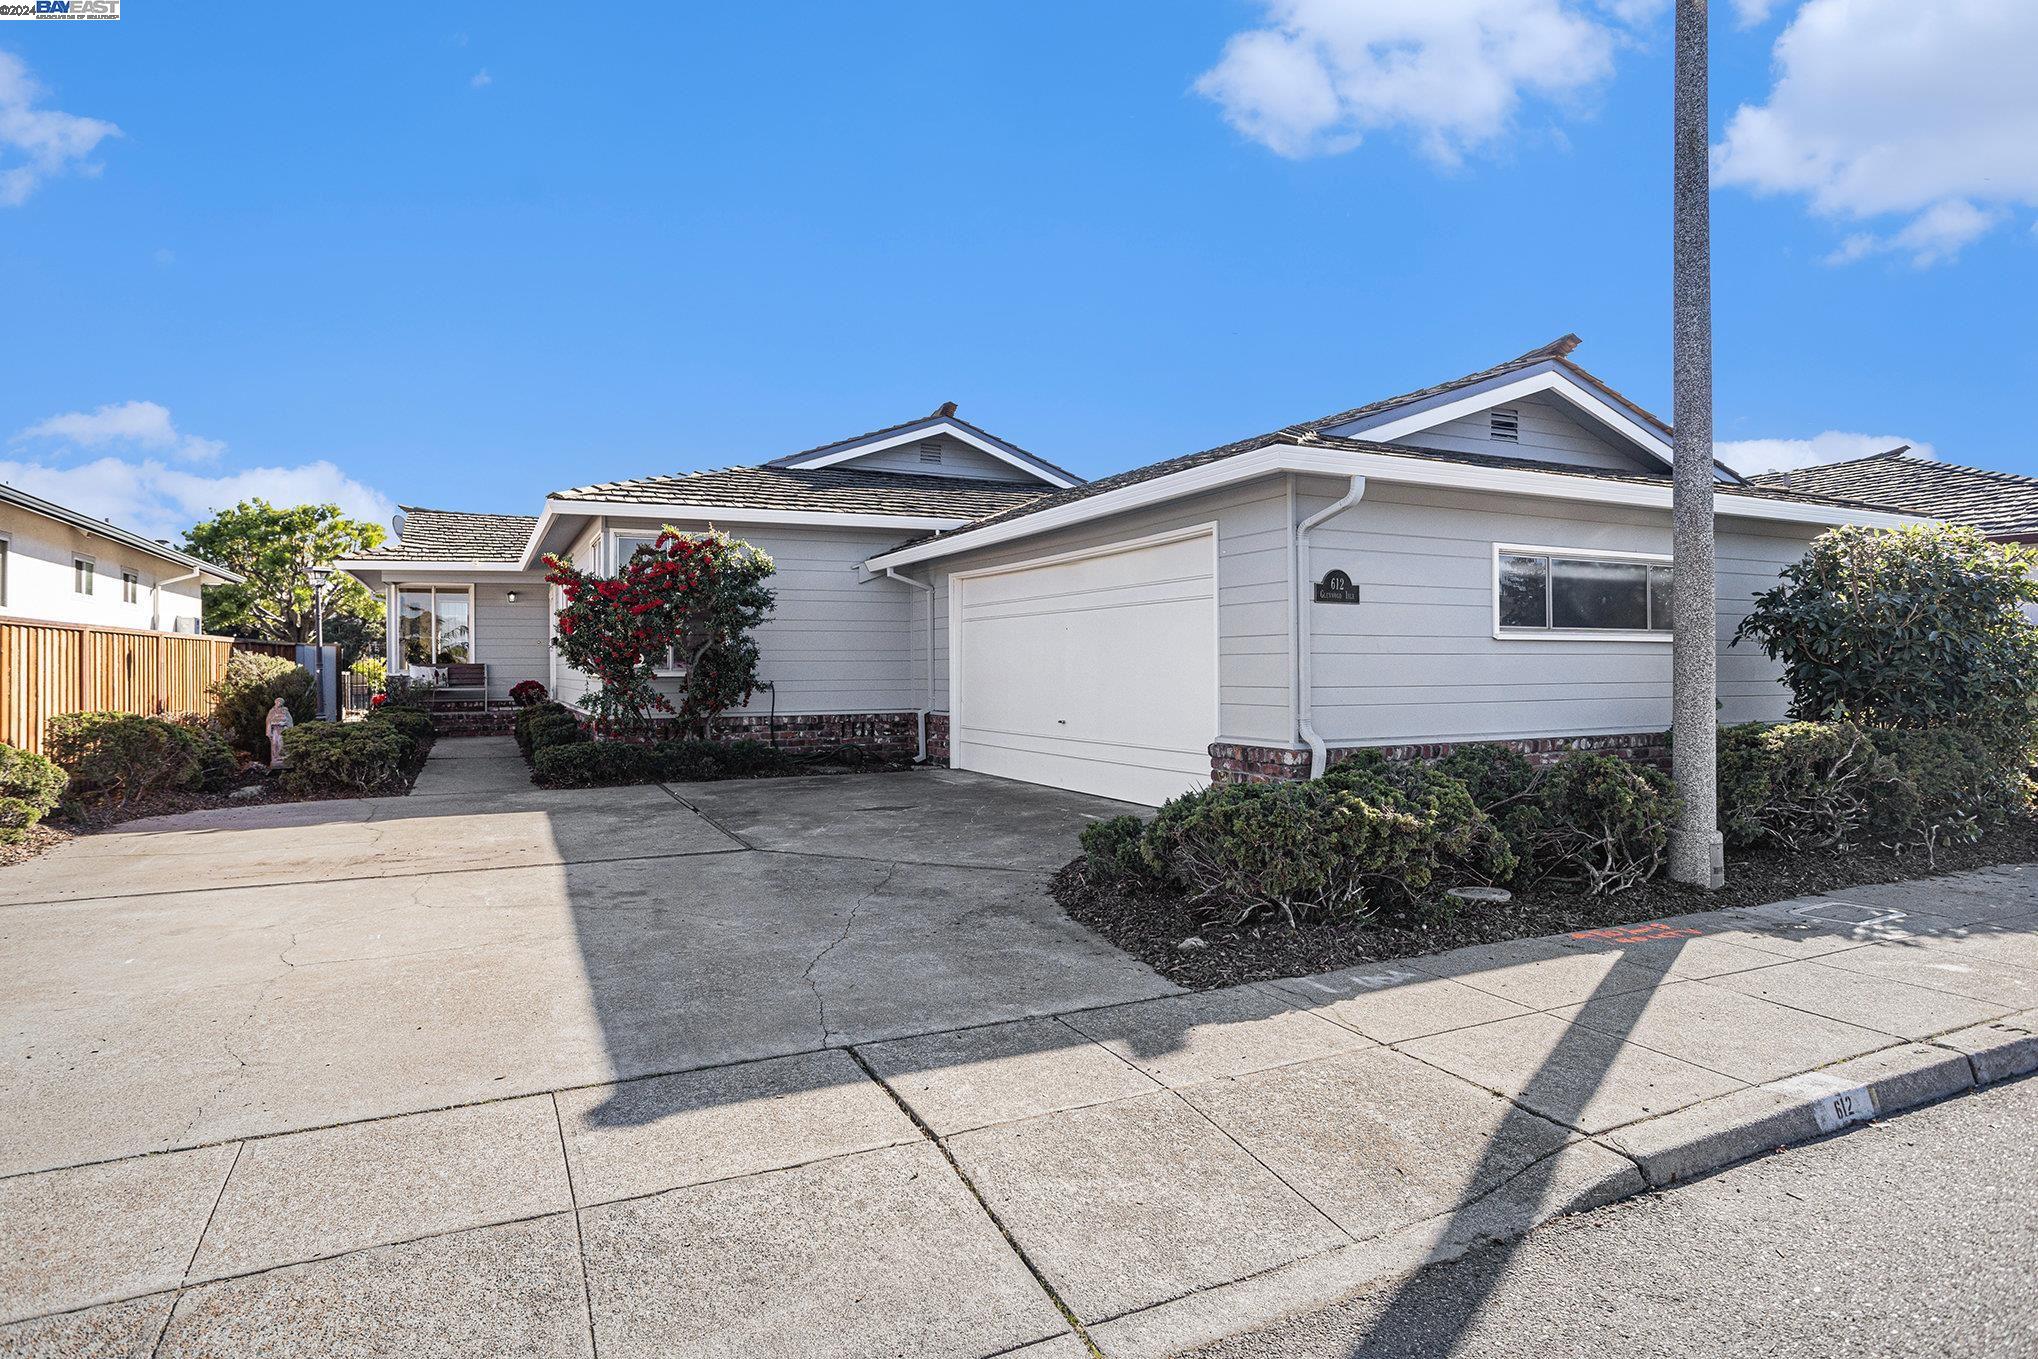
column 1096, row 672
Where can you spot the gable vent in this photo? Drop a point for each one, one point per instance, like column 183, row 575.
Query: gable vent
column 1504, row 424
column 930, row 451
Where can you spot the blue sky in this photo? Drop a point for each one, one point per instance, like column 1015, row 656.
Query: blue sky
column 459, row 255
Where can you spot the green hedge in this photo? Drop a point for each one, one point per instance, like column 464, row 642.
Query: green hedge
column 595, row 764
column 414, row 723
column 357, row 759
column 124, row 757
column 545, row 724
column 30, row 787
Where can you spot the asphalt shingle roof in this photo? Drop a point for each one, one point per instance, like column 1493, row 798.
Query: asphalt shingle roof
column 945, row 412
column 1994, row 502
column 456, row 535
column 839, row 490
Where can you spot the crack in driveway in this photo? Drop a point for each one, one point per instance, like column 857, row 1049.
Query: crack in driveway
column 821, row 1001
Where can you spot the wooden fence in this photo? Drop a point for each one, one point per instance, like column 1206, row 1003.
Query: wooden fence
column 52, row 668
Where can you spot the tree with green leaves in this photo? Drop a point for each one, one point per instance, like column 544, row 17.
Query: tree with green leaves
column 276, row 547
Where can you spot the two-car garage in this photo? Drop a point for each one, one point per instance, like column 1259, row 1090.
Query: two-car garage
column 1095, row 671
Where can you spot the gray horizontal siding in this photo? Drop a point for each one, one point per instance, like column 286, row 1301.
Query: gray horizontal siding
column 958, row 459
column 513, row 639
column 1549, row 432
column 1252, row 594
column 1417, row 661
column 836, row 642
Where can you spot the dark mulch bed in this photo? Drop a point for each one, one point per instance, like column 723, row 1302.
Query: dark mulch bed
column 39, row 839
column 1150, row 926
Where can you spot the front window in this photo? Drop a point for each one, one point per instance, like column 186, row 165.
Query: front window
column 130, row 587
column 435, row 625
column 1550, row 591
column 82, row 572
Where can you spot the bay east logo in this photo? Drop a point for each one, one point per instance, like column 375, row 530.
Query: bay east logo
column 60, row 9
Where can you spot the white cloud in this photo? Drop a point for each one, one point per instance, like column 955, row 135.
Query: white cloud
column 480, row 80
column 1897, row 109
column 1749, row 13
column 1782, row 455
column 160, row 501
column 39, row 143
column 1320, row 75
column 151, row 495
column 136, row 424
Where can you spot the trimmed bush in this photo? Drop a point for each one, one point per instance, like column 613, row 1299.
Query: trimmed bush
column 1951, row 785
column 30, row 787
column 355, row 759
column 250, row 687
column 1303, row 850
column 1602, row 823
column 124, row 757
column 415, row 724
column 595, row 764
column 1802, row 786
column 555, row 726
column 703, row 761
column 1468, row 848
column 1114, row 851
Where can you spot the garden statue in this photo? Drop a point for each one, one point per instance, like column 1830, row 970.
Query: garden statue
column 275, row 724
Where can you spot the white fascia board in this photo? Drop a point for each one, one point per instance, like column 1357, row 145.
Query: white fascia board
column 916, row 435
column 1390, row 428
column 1304, row 460
column 723, row 514
column 1210, row 476
column 401, row 567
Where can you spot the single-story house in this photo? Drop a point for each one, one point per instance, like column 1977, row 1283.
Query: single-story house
column 60, row 565
column 2002, row 505
column 1485, row 559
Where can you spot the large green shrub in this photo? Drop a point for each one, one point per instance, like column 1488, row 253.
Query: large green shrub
column 1908, row 628
column 1300, row 849
column 414, row 723
column 691, row 761
column 551, row 726
column 218, row 764
column 1602, row 823
column 1951, row 785
column 247, row 691
column 357, row 759
column 30, row 787
column 1114, row 851
column 1802, row 786
column 124, row 757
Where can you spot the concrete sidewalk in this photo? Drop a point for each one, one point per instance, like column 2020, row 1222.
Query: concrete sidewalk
column 1141, row 1177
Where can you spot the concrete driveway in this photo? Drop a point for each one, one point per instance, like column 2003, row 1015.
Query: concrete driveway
column 220, row 975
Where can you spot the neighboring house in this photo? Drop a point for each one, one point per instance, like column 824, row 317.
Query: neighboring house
column 61, row 566
column 1485, row 559
column 2001, row 504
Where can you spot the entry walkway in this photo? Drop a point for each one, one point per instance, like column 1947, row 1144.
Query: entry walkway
column 813, row 1067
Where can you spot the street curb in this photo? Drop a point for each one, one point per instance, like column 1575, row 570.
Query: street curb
column 1999, row 1049
column 1719, row 1132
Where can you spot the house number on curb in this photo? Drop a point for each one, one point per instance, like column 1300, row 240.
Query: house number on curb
column 1336, row 588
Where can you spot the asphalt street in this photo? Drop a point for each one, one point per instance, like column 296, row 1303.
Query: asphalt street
column 1916, row 1236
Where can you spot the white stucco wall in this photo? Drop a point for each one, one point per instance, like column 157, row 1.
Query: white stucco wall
column 40, row 578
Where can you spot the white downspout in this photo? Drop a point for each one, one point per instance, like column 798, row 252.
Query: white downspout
column 928, row 707
column 156, row 599
column 1305, row 643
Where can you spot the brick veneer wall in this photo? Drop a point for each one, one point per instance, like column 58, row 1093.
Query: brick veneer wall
column 895, row 734
column 1235, row 763
column 937, row 739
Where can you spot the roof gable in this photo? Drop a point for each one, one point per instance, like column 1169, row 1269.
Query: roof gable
column 944, row 424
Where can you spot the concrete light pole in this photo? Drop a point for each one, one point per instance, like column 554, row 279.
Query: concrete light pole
column 1696, row 855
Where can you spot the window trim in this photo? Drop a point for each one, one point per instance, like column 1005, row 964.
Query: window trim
column 89, row 576
column 6, row 565
column 130, row 585
column 1503, row 550
column 436, row 588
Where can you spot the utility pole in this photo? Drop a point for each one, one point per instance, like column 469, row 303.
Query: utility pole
column 1696, row 854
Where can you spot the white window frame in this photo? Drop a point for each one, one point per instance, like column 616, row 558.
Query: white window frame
column 1585, row 554
column 436, row 589
column 130, row 585
column 672, row 669
column 84, row 570
column 6, row 566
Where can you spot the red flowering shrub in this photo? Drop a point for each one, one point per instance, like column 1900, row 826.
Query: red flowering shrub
column 378, row 700
column 684, row 606
column 526, row 692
